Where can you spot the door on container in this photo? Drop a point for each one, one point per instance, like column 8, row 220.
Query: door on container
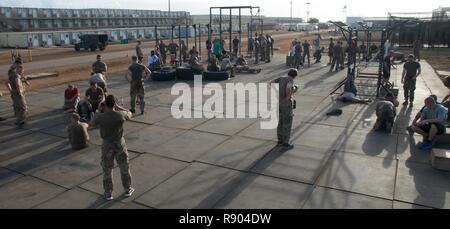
column 66, row 39
column 35, row 41
column 49, row 40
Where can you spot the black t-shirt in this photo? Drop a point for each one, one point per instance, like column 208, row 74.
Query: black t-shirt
column 411, row 69
column 306, row 47
column 173, row 48
column 137, row 72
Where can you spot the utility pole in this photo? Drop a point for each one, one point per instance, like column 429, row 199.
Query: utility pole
column 345, row 13
column 169, row 6
column 307, row 12
column 290, row 24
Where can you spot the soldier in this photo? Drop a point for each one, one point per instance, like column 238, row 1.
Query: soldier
column 173, row 49
column 306, row 52
column 139, row 52
column 71, row 98
column 271, row 44
column 184, row 51
column 95, row 96
column 337, row 54
column 77, row 133
column 386, row 112
column 263, row 47
column 236, row 43
column 257, row 47
column 268, row 45
column 136, row 71
column 163, row 51
column 362, row 50
column 416, row 46
column 99, row 66
column 330, row 51
column 411, row 70
column 251, row 46
column 217, row 48
column 298, row 55
column 209, row 49
column 114, row 145
column 287, row 105
column 16, row 89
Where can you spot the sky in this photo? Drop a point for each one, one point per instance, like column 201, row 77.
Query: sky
column 325, row 10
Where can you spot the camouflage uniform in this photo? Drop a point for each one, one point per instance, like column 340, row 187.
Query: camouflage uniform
column 78, row 135
column 385, row 115
column 17, row 96
column 113, row 147
column 137, row 85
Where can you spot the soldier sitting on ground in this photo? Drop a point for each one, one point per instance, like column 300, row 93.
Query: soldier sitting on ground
column 431, row 124
column 226, row 64
column 153, row 62
column 84, row 110
column 213, row 65
column 95, row 96
column 77, row 133
column 386, row 112
column 418, row 115
column 242, row 66
column 195, row 65
column 71, row 98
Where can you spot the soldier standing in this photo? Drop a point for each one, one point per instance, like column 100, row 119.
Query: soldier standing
column 268, row 50
column 257, row 47
column 184, row 51
column 173, row 49
column 163, row 51
column 139, row 52
column 136, row 71
column 337, row 54
column 330, row 50
column 306, row 52
column 411, row 70
column 99, row 66
column 236, row 43
column 114, row 145
column 251, row 46
column 286, row 108
column 16, row 89
column 271, row 45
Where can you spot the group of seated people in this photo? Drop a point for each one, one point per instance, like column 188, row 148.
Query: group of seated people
column 87, row 107
column 240, row 65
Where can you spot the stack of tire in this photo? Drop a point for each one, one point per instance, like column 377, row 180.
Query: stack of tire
column 165, row 74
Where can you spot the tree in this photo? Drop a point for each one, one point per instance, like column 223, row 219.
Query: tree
column 313, row 21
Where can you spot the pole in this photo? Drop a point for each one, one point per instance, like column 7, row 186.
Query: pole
column 199, row 41
column 156, row 33
column 179, row 41
column 240, row 32
column 210, row 24
column 220, row 27
column 381, row 64
column 187, row 37
column 169, row 7
column 231, row 30
column 290, row 25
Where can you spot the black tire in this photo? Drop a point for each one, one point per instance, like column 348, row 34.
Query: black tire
column 185, row 73
column 216, row 76
column 164, row 75
column 77, row 48
column 93, row 48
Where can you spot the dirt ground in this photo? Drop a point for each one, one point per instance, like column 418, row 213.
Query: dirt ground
column 78, row 72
